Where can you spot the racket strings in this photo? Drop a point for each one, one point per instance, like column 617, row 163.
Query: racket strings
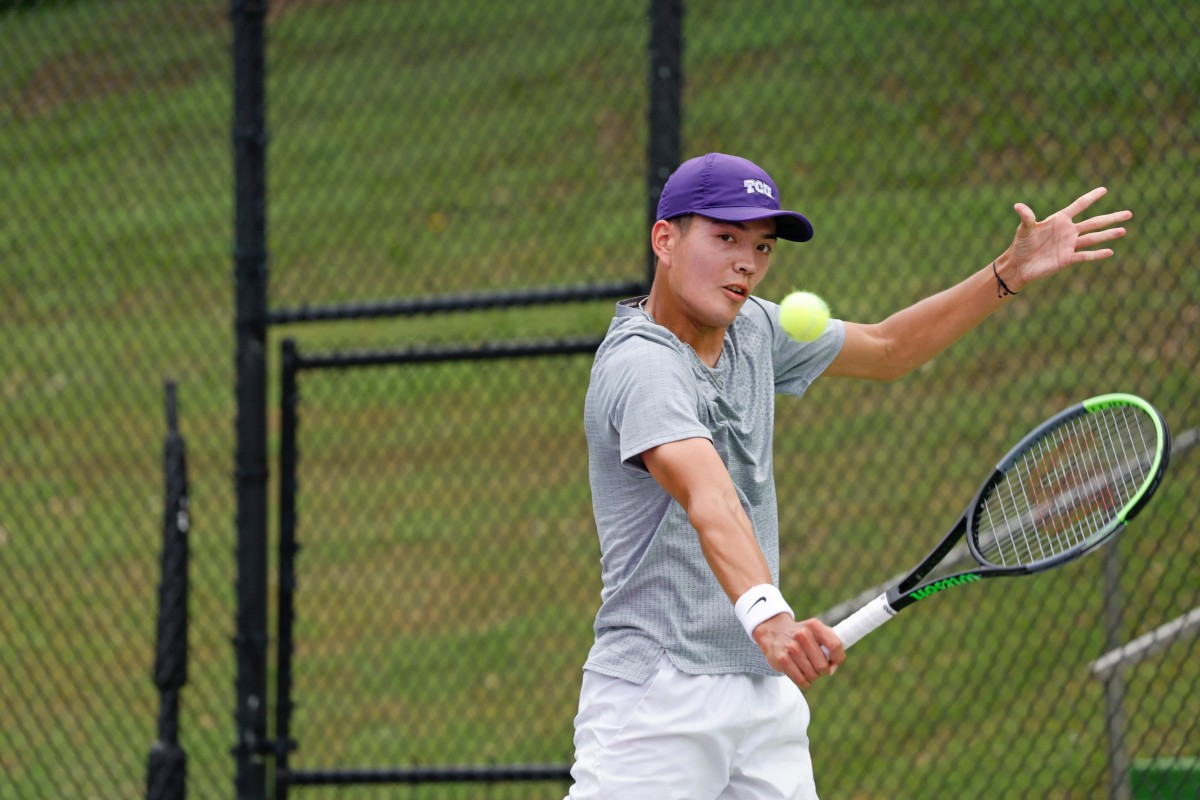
column 1068, row 489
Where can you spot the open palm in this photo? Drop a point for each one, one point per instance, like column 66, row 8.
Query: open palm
column 1043, row 248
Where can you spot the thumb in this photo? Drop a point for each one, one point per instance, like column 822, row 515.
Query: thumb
column 1025, row 213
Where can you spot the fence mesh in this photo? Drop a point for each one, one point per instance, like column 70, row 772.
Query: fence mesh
column 448, row 572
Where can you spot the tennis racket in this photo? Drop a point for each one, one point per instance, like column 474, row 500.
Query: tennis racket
column 1062, row 491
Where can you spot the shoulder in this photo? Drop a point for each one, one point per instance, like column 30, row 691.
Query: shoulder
column 761, row 316
column 761, row 313
column 757, row 325
column 638, row 346
column 640, row 363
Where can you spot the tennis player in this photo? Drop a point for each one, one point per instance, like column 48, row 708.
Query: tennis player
column 692, row 689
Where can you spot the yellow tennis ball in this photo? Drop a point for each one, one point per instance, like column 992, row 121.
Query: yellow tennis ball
column 803, row 315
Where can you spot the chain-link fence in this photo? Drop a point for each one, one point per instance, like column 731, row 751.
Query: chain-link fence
column 447, row 572
column 114, row 248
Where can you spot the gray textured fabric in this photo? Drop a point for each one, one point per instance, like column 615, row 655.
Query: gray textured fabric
column 648, row 388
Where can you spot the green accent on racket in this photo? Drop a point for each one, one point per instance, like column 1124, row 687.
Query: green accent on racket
column 1066, row 488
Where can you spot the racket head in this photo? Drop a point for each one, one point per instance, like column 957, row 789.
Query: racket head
column 1070, row 485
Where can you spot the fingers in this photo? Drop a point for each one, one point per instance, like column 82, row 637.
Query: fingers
column 814, row 654
column 1092, row 255
column 804, row 651
column 797, row 675
column 832, row 647
column 1026, row 214
column 802, row 665
column 1082, row 203
column 1101, row 233
column 1076, row 208
column 1093, row 239
column 1043, row 248
column 814, row 650
column 1104, row 221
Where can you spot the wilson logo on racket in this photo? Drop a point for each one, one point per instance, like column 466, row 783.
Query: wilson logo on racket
column 944, row 583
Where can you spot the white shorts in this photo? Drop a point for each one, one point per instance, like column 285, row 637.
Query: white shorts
column 691, row 737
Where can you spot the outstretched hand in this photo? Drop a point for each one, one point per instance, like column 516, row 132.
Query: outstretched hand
column 1043, row 248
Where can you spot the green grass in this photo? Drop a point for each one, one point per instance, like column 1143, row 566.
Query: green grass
column 449, row 574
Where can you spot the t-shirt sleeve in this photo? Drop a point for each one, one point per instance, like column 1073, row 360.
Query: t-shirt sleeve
column 797, row 364
column 649, row 398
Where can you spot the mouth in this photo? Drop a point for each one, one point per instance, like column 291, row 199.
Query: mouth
column 738, row 290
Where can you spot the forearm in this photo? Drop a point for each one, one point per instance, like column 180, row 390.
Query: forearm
column 918, row 333
column 693, row 474
column 912, row 336
column 729, row 545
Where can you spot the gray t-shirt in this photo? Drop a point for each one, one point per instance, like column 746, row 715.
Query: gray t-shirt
column 649, row 388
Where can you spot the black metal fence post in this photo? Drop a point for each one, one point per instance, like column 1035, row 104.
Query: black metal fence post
column 166, row 774
column 666, row 104
column 250, row 258
column 288, row 547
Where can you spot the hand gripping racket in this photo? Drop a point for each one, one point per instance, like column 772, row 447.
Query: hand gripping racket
column 1061, row 492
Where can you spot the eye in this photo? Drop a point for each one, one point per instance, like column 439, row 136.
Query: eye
column 765, row 248
column 726, row 237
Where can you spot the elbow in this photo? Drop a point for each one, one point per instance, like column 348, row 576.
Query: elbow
column 713, row 512
column 875, row 352
column 894, row 371
column 894, row 365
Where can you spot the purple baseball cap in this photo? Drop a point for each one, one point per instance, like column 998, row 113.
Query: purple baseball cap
column 729, row 189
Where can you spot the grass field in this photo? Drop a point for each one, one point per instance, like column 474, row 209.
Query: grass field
column 448, row 576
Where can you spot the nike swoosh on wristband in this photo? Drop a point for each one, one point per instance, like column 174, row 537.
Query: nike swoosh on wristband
column 756, row 602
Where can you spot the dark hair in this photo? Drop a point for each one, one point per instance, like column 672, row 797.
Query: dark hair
column 685, row 222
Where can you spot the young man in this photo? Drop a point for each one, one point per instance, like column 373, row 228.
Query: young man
column 692, row 688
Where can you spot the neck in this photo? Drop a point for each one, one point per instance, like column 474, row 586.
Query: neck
column 707, row 342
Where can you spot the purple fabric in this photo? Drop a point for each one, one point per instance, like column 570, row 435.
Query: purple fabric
column 729, row 189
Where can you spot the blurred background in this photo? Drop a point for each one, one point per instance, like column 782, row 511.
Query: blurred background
column 448, row 566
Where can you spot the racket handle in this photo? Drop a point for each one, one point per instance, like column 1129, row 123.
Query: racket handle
column 863, row 621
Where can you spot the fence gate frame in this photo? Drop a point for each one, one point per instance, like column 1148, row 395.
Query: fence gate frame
column 258, row 754
column 292, row 363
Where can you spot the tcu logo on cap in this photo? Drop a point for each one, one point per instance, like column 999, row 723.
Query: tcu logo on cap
column 760, row 187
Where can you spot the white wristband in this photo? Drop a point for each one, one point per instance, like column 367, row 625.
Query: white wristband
column 759, row 604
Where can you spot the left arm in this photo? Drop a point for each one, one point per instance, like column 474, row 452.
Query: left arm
column 909, row 338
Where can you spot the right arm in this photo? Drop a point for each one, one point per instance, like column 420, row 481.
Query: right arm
column 692, row 472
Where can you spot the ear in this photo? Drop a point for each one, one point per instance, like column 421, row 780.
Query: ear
column 662, row 239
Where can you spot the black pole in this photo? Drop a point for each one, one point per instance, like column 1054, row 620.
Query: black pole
column 250, row 476
column 666, row 104
column 166, row 774
column 288, row 548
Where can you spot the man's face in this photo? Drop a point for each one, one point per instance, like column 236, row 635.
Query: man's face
column 715, row 266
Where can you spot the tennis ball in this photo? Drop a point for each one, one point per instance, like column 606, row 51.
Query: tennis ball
column 803, row 315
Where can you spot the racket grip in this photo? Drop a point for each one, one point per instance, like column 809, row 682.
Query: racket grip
column 863, row 621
